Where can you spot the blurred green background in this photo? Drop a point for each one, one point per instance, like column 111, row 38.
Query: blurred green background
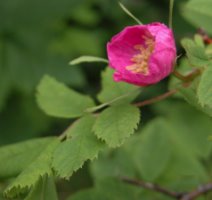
column 40, row 37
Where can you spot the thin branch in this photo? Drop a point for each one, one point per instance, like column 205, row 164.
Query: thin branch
column 201, row 190
column 179, row 75
column 186, row 82
column 156, row 99
column 153, row 187
column 189, row 77
column 204, row 189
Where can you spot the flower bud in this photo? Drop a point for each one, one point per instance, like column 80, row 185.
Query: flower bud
column 143, row 54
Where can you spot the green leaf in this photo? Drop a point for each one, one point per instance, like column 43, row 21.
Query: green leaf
column 83, row 59
column 17, row 156
column 40, row 167
column 114, row 163
column 191, row 97
column 182, row 157
column 209, row 50
column 112, row 90
column 129, row 13
column 192, row 128
column 199, row 40
column 154, row 152
column 58, row 100
column 82, row 146
column 183, row 68
column 198, row 12
column 204, row 90
column 88, row 194
column 110, row 189
column 195, row 53
column 44, row 189
column 176, row 159
column 115, row 124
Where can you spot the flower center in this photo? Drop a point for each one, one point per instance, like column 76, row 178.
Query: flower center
column 141, row 59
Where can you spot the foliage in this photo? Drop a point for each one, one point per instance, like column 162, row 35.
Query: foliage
column 116, row 124
column 199, row 13
column 81, row 146
column 59, row 105
column 97, row 128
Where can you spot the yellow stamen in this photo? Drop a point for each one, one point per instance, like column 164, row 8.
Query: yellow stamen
column 141, row 59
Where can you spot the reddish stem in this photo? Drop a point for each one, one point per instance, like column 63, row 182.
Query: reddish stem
column 156, row 99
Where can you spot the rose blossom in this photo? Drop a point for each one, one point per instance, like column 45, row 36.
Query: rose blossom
column 142, row 54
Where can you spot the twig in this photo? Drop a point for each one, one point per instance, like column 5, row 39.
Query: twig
column 189, row 77
column 156, row 99
column 153, row 187
column 179, row 75
column 198, row 192
column 201, row 190
column 186, row 82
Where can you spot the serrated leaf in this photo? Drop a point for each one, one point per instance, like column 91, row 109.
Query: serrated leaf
column 115, row 124
column 83, row 59
column 204, row 91
column 198, row 12
column 40, row 167
column 191, row 97
column 44, row 189
column 57, row 100
column 195, row 53
column 17, row 156
column 111, row 89
column 82, row 146
column 154, row 142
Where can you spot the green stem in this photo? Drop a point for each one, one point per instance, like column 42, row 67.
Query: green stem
column 2, row 53
column 93, row 109
column 171, row 6
column 129, row 13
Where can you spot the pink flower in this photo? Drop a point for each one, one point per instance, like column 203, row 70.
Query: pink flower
column 142, row 54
